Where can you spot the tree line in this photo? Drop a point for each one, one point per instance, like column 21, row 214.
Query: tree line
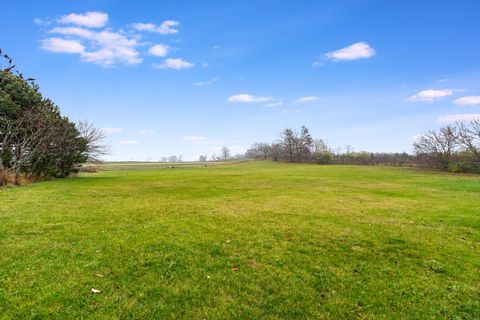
column 35, row 138
column 454, row 147
column 300, row 146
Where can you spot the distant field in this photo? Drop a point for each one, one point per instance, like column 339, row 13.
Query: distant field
column 136, row 165
column 256, row 240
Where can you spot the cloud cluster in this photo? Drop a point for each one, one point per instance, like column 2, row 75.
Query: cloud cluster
column 270, row 102
column 273, row 104
column 468, row 101
column 431, row 95
column 306, row 99
column 62, row 45
column 166, row 27
column 205, row 83
column 174, row 63
column 358, row 50
column 101, row 47
column 86, row 35
column 247, row 98
column 159, row 50
column 88, row 19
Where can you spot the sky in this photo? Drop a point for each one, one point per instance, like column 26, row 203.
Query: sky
column 186, row 77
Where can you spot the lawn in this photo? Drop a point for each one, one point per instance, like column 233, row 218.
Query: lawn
column 257, row 240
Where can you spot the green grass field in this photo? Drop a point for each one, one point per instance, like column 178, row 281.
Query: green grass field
column 134, row 165
column 255, row 240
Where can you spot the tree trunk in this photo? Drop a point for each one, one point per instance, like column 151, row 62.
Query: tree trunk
column 17, row 178
column 3, row 179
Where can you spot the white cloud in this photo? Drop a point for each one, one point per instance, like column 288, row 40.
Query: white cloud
column 144, row 132
column 358, row 50
column 431, row 95
column 110, row 130
column 317, row 64
column 468, row 101
column 41, row 22
column 307, row 99
column 247, row 98
column 60, row 45
column 144, row 26
column 273, row 104
column 113, row 48
column 88, row 19
column 166, row 27
column 458, row 117
column 159, row 50
column 174, row 63
column 110, row 56
column 104, row 47
column 194, row 139
column 443, row 80
column 129, row 142
column 74, row 31
column 205, row 83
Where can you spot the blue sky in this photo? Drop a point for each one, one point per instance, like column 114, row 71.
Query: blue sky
column 188, row 77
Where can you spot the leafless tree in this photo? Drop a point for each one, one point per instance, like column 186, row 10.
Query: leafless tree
column 437, row 146
column 95, row 139
column 263, row 149
column 468, row 135
column 304, row 145
column 276, row 151
column 225, row 153
column 322, row 152
column 202, row 158
column 289, row 142
column 258, row 150
column 321, row 145
column 348, row 149
column 215, row 157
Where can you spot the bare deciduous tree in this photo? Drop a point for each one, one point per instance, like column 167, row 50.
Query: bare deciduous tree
column 276, row 151
column 215, row 157
column 95, row 139
column 264, row 149
column 304, row 145
column 469, row 136
column 225, row 153
column 289, row 143
column 437, row 146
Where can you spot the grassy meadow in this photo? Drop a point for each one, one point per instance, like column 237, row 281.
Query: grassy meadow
column 256, row 240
